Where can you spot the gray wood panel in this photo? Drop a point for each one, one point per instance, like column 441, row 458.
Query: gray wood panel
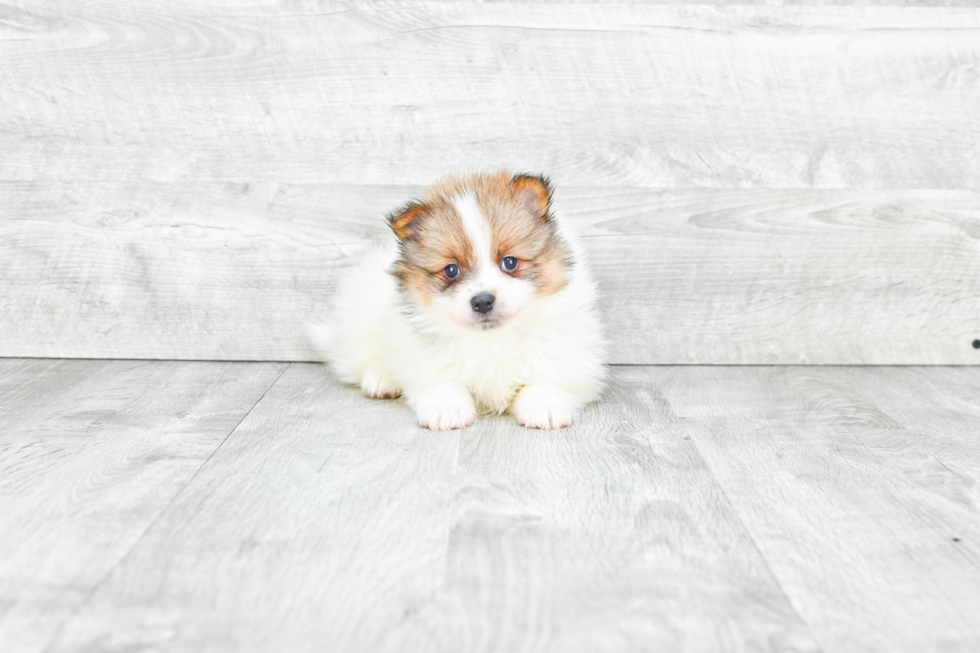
column 795, row 277
column 610, row 536
column 398, row 93
column 943, row 420
column 874, row 539
column 321, row 523
column 693, row 508
column 184, row 181
column 331, row 520
column 227, row 271
column 91, row 453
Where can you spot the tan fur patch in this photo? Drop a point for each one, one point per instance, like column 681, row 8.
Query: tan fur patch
column 517, row 210
column 533, row 194
column 404, row 222
column 437, row 238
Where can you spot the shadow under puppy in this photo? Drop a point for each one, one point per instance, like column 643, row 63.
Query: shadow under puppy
column 482, row 304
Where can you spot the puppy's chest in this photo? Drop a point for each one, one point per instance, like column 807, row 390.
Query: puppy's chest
column 493, row 371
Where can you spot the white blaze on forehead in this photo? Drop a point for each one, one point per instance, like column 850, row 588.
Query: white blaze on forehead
column 475, row 225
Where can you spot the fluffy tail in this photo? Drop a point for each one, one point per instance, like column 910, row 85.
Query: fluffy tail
column 322, row 339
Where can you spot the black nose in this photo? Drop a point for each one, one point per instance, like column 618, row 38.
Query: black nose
column 482, row 303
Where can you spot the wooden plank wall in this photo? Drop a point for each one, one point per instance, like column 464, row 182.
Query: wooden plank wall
column 755, row 184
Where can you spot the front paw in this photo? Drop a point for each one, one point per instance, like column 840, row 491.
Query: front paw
column 544, row 408
column 445, row 408
column 378, row 385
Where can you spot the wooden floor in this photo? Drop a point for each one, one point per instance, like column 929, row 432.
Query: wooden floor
column 196, row 506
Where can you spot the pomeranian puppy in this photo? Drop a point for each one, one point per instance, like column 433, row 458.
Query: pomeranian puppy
column 481, row 304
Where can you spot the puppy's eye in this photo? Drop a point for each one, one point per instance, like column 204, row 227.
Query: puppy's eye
column 508, row 263
column 451, row 271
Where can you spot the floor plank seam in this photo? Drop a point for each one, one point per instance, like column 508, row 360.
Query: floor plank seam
column 98, row 584
column 755, row 545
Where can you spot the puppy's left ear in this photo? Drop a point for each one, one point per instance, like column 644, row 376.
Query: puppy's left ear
column 534, row 194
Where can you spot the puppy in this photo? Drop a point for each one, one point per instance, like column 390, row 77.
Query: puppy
column 482, row 304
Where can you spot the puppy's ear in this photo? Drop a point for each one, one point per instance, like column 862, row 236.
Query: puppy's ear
column 534, row 194
column 406, row 220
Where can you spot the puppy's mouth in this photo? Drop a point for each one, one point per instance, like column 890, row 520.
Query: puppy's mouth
column 487, row 322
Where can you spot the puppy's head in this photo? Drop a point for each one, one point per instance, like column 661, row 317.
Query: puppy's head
column 480, row 249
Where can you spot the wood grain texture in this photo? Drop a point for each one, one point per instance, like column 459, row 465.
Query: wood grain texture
column 91, row 453
column 186, row 181
column 399, row 93
column 875, row 540
column 942, row 419
column 693, row 508
column 331, row 520
column 231, row 271
column 609, row 536
column 321, row 524
column 789, row 278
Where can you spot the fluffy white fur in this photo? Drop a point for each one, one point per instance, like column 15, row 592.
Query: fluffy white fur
column 543, row 361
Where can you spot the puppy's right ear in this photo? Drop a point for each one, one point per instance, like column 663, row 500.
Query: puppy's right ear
column 405, row 221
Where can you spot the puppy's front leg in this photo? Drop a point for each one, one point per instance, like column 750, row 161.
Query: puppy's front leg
column 544, row 407
column 443, row 406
